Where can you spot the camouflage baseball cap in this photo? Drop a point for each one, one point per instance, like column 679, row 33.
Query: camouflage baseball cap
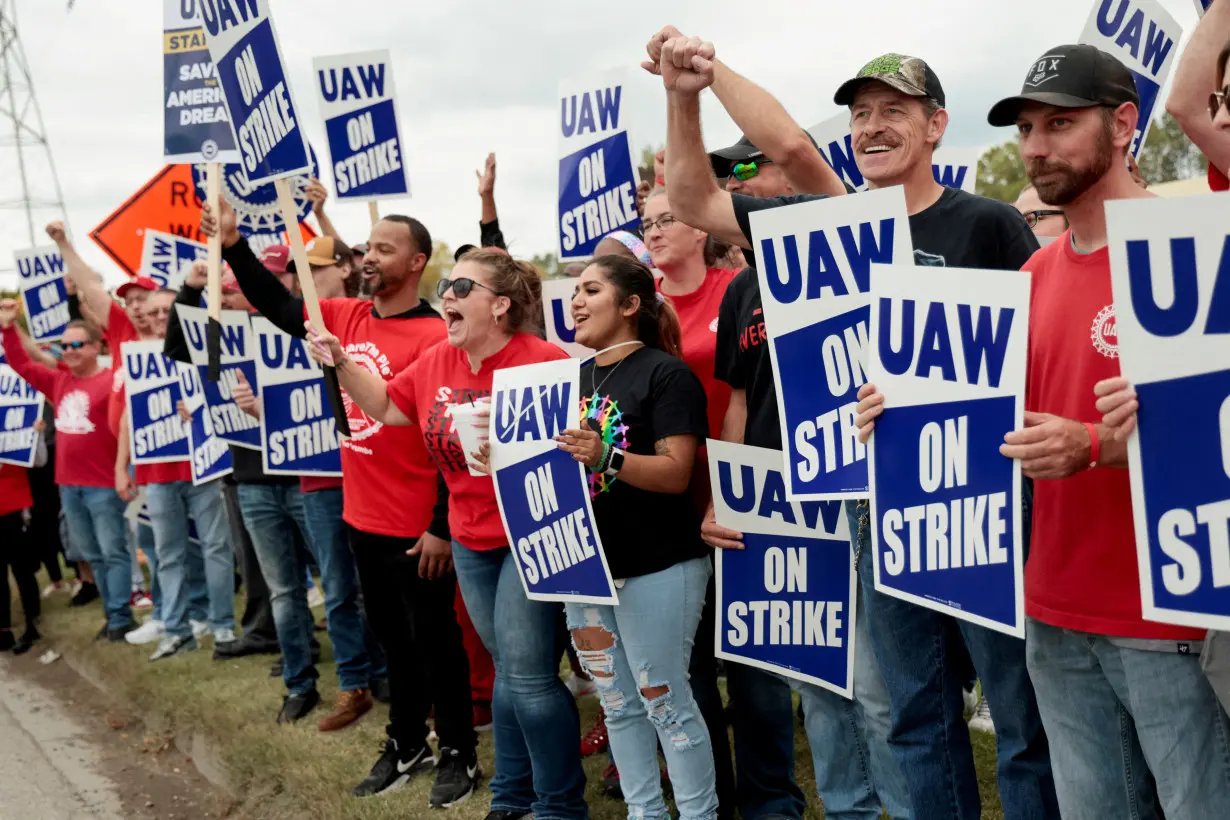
column 909, row 75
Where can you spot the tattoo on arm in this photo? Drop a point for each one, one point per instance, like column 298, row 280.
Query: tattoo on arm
column 661, row 448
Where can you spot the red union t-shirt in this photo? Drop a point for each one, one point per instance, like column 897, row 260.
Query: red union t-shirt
column 439, row 379
column 389, row 480
column 1082, row 572
column 85, row 445
column 14, row 491
column 698, row 319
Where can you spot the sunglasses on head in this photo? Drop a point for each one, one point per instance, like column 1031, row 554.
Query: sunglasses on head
column 1219, row 100
column 461, row 287
column 743, row 171
column 74, row 345
column 1032, row 218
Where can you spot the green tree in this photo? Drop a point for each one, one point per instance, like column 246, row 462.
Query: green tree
column 1169, row 155
column 547, row 263
column 1001, row 173
column 645, row 169
column 441, row 262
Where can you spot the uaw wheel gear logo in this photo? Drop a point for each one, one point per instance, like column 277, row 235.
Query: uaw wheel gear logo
column 257, row 208
column 1105, row 334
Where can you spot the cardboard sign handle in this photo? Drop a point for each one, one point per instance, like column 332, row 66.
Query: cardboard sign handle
column 213, row 287
column 373, row 210
column 303, row 269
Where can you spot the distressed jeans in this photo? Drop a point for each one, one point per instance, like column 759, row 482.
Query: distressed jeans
column 98, row 532
column 638, row 655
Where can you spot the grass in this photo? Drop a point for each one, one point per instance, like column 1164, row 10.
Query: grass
column 295, row 771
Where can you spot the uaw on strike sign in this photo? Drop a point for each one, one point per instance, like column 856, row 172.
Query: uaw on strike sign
column 1170, row 270
column 814, row 266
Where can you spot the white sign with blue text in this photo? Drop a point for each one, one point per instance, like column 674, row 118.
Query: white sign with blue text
column 266, row 123
column 44, row 293
column 597, row 179
column 359, row 105
column 20, row 406
column 557, row 316
column 297, row 429
column 786, row 602
column 157, row 433
column 166, row 258
column 951, row 167
column 947, row 351
column 1170, row 270
column 228, row 422
column 815, row 259
column 542, row 491
column 1145, row 38
column 211, row 457
column 196, row 127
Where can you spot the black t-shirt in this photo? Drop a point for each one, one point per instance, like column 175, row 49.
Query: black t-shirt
column 640, row 400
column 960, row 230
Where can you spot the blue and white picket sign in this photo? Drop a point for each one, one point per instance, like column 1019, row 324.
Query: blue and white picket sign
column 597, row 179
column 786, row 602
column 197, row 127
column 1170, row 271
column 542, row 491
column 358, row 101
column 557, row 316
column 298, row 434
column 952, row 167
column 1145, row 38
column 814, row 266
column 44, row 294
column 257, row 213
column 166, row 258
column 20, row 406
column 266, row 123
column 947, row 351
column 156, row 432
column 227, row 421
column 211, row 457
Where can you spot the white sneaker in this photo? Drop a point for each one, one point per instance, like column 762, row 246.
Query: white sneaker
column 142, row 601
column 148, row 632
column 170, row 645
column 578, row 686
column 315, row 597
column 76, row 587
column 52, row 589
column 224, row 635
column 199, row 629
column 981, row 721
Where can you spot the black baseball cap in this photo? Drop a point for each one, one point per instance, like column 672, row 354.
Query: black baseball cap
column 909, row 75
column 462, row 251
column 742, row 151
column 1072, row 76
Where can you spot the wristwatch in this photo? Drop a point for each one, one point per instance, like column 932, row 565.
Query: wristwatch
column 617, row 462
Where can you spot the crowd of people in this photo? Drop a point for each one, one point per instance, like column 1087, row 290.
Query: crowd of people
column 1098, row 713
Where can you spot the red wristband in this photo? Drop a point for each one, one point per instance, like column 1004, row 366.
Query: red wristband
column 1095, row 446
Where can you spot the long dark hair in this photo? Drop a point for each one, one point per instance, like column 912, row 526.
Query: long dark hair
column 657, row 325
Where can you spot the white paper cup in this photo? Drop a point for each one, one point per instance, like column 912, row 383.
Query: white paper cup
column 471, row 437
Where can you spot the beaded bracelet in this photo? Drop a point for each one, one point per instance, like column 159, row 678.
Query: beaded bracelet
column 603, row 462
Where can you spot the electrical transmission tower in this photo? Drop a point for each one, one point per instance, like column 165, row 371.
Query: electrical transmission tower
column 25, row 155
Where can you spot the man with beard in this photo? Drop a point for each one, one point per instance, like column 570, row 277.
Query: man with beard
column 395, row 506
column 1105, row 678
column 898, row 118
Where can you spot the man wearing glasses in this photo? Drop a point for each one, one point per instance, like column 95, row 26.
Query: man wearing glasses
column 1046, row 222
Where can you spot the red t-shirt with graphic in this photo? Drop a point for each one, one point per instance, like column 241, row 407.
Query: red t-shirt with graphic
column 14, row 491
column 389, row 479
column 698, row 319
column 1082, row 571
column 85, row 445
column 426, row 391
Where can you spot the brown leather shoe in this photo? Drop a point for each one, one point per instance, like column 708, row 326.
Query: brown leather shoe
column 350, row 707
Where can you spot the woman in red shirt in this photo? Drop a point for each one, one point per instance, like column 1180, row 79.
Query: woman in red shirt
column 491, row 305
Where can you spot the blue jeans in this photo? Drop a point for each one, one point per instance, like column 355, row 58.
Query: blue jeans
column 855, row 768
column 270, row 513
column 1100, row 701
column 170, row 507
column 762, row 716
column 914, row 647
column 98, row 532
column 638, row 654
column 536, row 725
column 145, row 540
column 322, row 513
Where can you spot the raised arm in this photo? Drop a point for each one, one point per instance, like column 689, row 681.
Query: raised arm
column 317, row 193
column 490, row 235
column 364, row 387
column 91, row 294
column 1194, row 81
column 41, row 377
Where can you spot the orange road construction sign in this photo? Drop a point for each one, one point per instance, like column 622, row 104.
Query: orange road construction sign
column 166, row 203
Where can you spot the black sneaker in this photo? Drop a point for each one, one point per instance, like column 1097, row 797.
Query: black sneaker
column 456, row 777
column 295, row 707
column 27, row 640
column 394, row 769
column 102, row 633
column 87, row 594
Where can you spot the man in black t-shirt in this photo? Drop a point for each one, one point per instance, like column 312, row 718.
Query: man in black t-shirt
column 898, row 118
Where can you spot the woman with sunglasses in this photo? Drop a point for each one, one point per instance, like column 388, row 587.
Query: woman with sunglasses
column 648, row 409
column 491, row 305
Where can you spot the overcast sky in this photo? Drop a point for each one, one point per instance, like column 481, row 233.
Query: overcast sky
column 480, row 75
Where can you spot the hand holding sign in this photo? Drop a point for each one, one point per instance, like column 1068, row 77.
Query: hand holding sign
column 870, row 406
column 1118, row 404
column 326, row 349
column 244, row 398
column 228, row 229
column 1049, row 446
column 715, row 535
column 317, row 194
column 585, row 445
column 687, row 64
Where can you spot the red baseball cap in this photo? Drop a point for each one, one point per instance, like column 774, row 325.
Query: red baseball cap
column 229, row 283
column 140, row 282
column 275, row 258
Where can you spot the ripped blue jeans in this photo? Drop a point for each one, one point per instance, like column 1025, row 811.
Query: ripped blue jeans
column 638, row 654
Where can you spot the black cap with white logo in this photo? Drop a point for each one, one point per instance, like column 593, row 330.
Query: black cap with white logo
column 1070, row 77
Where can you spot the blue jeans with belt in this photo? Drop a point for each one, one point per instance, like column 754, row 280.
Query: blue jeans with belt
column 98, row 532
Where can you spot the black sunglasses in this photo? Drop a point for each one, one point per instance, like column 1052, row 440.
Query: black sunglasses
column 1032, row 218
column 1219, row 100
column 74, row 345
column 461, row 287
